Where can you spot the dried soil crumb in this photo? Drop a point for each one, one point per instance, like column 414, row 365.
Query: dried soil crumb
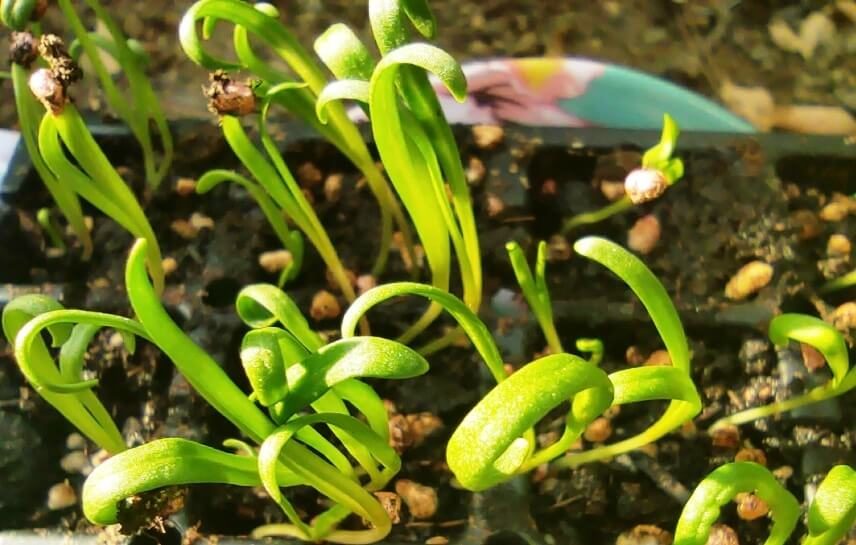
column 475, row 171
column 23, row 49
column 185, row 186
column 391, row 503
column 751, row 507
column 721, row 534
column 75, row 441
column 325, row 306
column 420, row 500
column 495, row 206
column 169, row 265
column 612, row 190
column 61, row 496
column 645, row 534
column 76, row 462
column 333, row 187
column 634, row 355
column 598, row 431
column 488, row 136
column 184, row 229
column 644, row 234
column 333, row 284
column 229, row 97
column 437, row 540
column 750, row 279
column 200, row 221
column 751, row 455
column 275, row 261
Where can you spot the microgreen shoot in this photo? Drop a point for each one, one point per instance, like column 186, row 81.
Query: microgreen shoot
column 842, row 282
column 140, row 108
column 95, row 179
column 290, row 369
column 413, row 138
column 261, row 20
column 828, row 341
column 49, row 226
column 639, row 384
column 24, row 52
column 277, row 192
column 659, row 171
column 831, row 514
column 535, row 290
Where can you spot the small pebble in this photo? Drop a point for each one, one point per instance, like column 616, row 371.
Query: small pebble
column 834, row 212
column 598, row 431
column 750, row 279
column 721, row 534
column 644, row 234
column 420, row 500
column 169, row 265
column 495, row 206
column 558, row 248
column 76, row 462
column 488, row 136
column 838, row 246
column 200, row 221
column 391, row 503
column 333, row 187
column 475, row 171
column 659, row 357
column 725, row 437
column 325, row 306
column 844, row 317
column 275, row 261
column 751, row 455
column 61, row 496
column 75, row 441
column 184, row 229
column 645, row 534
column 634, row 355
column 751, row 507
column 645, row 184
column 365, row 282
column 309, row 175
column 185, row 186
column 612, row 190
column 808, row 223
column 812, row 358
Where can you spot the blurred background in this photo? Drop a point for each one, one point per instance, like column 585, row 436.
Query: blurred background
column 757, row 57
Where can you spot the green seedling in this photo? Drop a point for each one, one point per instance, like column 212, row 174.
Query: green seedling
column 138, row 110
column 659, row 172
column 831, row 515
column 23, row 53
column 291, row 371
column 50, row 228
column 414, row 140
column 828, row 341
column 842, row 282
column 91, row 176
column 496, row 440
column 261, row 21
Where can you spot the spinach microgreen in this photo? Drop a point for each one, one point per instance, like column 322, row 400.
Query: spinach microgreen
column 535, row 290
column 49, row 226
column 91, row 176
column 828, row 341
column 24, row 52
column 842, row 282
column 413, row 138
column 140, row 109
column 659, row 171
column 831, row 514
column 261, row 20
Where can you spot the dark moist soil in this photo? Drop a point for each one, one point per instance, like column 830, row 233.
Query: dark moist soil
column 734, row 206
